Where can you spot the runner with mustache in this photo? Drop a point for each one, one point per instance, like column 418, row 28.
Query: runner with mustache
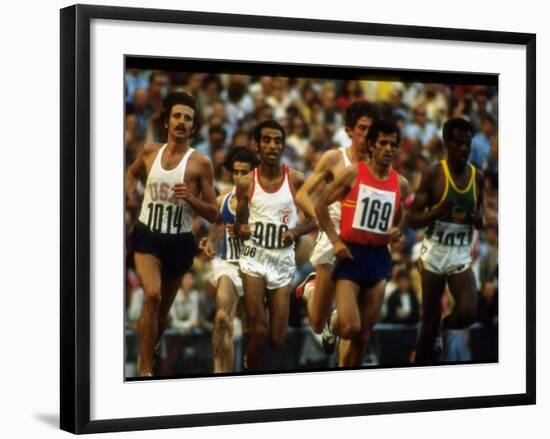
column 449, row 203
column 180, row 184
column 371, row 194
column 318, row 288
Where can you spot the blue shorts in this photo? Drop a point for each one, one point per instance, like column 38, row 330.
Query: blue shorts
column 369, row 265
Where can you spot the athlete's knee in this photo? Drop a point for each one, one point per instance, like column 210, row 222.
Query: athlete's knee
column 257, row 330
column 277, row 341
column 317, row 323
column 349, row 330
column 221, row 320
column 152, row 296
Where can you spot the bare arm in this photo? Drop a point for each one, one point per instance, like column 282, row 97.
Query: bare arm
column 136, row 169
column 304, row 227
column 205, row 204
column 308, row 224
column 478, row 216
column 320, row 173
column 215, row 233
column 216, row 229
column 243, row 193
column 399, row 227
column 336, row 190
column 420, row 215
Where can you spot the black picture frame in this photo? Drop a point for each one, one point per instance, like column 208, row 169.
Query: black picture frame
column 75, row 217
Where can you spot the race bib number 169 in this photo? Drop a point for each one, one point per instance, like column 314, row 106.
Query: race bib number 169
column 374, row 210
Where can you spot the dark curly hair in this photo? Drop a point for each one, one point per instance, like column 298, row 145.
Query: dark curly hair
column 179, row 98
column 240, row 154
column 357, row 110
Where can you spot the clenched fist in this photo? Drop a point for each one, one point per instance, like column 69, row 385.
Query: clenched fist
column 341, row 251
column 181, row 192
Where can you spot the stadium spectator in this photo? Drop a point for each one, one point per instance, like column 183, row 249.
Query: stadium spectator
column 421, row 129
column 403, row 304
column 482, row 141
column 311, row 109
column 184, row 313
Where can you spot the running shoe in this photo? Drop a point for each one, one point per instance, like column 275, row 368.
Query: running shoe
column 328, row 337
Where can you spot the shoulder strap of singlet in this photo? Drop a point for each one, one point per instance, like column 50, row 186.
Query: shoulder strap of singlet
column 256, row 179
column 474, row 169
column 158, row 157
column 186, row 156
column 347, row 161
column 450, row 181
column 446, row 190
column 227, row 202
column 290, row 185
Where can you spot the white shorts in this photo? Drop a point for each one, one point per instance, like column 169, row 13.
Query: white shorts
column 445, row 260
column 221, row 268
column 322, row 252
column 276, row 266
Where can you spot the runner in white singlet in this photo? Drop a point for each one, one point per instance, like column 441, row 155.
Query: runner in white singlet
column 267, row 218
column 180, row 183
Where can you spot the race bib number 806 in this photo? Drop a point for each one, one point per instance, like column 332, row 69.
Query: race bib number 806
column 374, row 210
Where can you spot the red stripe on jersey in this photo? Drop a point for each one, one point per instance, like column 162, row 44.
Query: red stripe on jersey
column 290, row 185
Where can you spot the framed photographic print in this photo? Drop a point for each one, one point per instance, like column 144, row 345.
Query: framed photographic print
column 180, row 128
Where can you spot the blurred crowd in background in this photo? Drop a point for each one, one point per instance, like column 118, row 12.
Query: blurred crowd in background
column 311, row 110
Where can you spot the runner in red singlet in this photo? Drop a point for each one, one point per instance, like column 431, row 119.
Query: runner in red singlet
column 371, row 195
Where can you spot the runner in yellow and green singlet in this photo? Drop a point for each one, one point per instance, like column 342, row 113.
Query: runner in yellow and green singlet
column 449, row 204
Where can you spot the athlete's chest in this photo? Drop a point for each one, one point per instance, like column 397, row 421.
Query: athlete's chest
column 371, row 205
column 172, row 169
column 271, row 185
column 458, row 187
column 164, row 159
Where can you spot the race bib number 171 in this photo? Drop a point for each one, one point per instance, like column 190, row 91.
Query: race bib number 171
column 374, row 210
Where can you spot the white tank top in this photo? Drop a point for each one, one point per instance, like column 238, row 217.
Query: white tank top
column 271, row 213
column 160, row 211
column 334, row 208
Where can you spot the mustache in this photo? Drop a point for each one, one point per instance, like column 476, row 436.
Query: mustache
column 181, row 127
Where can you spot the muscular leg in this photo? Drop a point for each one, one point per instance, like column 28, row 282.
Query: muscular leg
column 320, row 303
column 256, row 319
column 342, row 344
column 169, row 289
column 349, row 317
column 370, row 304
column 433, row 286
column 464, row 291
column 343, row 351
column 148, row 268
column 222, row 335
column 278, row 305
